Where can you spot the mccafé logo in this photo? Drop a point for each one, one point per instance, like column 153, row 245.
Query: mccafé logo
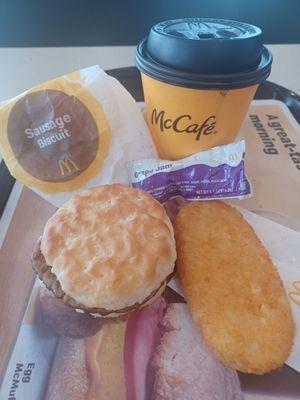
column 184, row 124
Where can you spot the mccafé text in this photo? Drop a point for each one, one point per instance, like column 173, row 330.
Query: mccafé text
column 184, row 124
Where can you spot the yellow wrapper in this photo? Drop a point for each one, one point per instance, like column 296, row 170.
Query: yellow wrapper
column 72, row 132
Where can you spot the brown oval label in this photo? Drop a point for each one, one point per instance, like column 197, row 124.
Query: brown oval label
column 53, row 135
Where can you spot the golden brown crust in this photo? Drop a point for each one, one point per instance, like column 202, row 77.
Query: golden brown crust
column 232, row 288
column 110, row 247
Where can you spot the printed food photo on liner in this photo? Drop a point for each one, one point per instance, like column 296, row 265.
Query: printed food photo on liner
column 154, row 285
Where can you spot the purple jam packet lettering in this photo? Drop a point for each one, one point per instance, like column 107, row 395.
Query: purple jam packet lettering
column 218, row 173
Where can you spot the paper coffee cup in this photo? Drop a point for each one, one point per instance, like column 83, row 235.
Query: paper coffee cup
column 199, row 76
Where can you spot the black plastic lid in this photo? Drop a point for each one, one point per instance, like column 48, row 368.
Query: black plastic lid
column 205, row 53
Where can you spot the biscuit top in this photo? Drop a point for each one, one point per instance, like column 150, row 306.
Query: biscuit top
column 110, row 247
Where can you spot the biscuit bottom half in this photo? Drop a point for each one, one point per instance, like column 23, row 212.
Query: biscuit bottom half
column 50, row 280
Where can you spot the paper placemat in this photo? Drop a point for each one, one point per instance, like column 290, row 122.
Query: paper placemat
column 268, row 169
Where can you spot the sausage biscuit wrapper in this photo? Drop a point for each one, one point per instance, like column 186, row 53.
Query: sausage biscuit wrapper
column 72, row 133
column 218, row 173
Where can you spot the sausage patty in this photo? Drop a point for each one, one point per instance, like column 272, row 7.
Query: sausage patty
column 50, row 280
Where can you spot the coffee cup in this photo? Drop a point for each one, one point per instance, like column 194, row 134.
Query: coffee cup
column 199, row 76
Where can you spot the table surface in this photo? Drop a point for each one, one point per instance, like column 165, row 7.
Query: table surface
column 23, row 68
column 26, row 213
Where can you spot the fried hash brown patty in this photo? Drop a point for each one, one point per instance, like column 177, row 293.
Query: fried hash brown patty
column 232, row 288
column 51, row 282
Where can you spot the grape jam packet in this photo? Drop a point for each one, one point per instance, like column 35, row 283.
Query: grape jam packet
column 218, row 173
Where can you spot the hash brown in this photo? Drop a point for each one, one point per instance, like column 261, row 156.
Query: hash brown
column 232, row 288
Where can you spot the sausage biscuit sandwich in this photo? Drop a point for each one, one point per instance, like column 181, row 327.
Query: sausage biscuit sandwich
column 107, row 251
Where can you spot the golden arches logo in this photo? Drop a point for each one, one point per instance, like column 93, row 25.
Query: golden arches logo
column 67, row 165
column 294, row 295
column 233, row 157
